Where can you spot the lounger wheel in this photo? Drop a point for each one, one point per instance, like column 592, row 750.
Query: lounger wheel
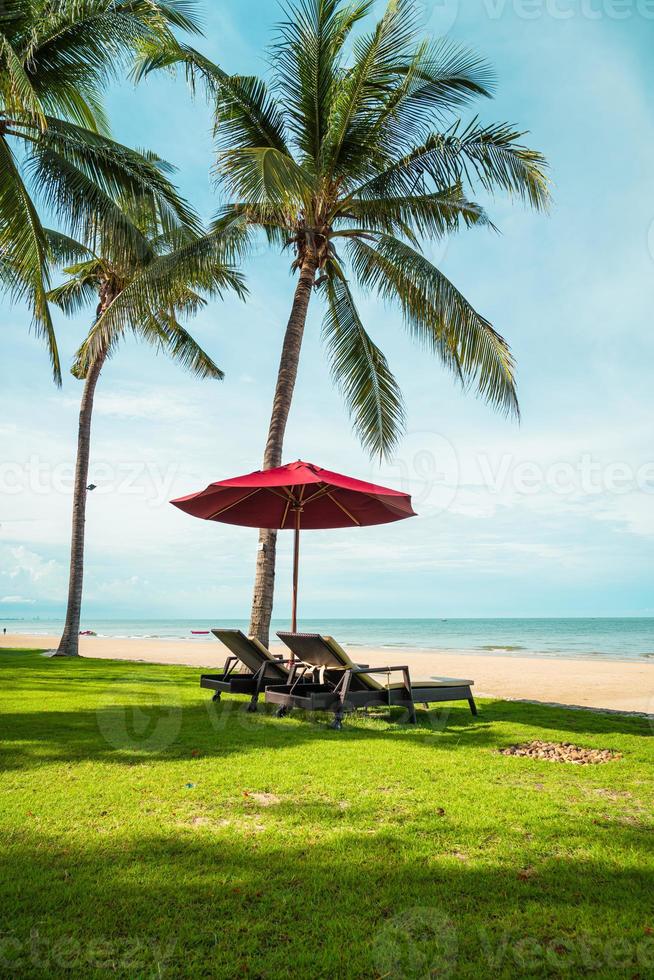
column 216, row 696
column 337, row 724
column 252, row 707
column 282, row 711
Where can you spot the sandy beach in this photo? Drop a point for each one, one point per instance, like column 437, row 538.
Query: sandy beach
column 612, row 685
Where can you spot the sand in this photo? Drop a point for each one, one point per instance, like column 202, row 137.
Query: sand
column 616, row 685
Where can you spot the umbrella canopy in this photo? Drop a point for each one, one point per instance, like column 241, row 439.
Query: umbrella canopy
column 295, row 497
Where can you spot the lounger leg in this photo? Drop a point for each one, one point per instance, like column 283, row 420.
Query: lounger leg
column 473, row 706
column 282, row 711
column 412, row 715
column 252, row 707
column 216, row 696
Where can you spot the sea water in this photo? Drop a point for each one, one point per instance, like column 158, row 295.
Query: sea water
column 598, row 638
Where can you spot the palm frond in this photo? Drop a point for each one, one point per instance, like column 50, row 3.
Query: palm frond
column 121, row 173
column 428, row 215
column 24, row 251
column 265, row 176
column 246, row 114
column 491, row 156
column 163, row 285
column 89, row 210
column 307, row 65
column 65, row 250
column 273, row 219
column 16, row 90
column 74, row 295
column 439, row 317
column 360, row 370
column 440, row 78
column 179, row 345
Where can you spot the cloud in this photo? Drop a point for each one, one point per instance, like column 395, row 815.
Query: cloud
column 16, row 600
column 32, row 576
column 159, row 406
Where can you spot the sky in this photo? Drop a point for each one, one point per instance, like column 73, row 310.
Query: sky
column 551, row 517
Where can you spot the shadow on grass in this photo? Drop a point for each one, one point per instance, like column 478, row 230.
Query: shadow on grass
column 206, row 904
column 136, row 729
column 58, row 710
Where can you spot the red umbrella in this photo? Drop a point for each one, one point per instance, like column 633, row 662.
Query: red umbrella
column 296, row 496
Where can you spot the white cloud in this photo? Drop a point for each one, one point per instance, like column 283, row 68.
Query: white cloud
column 16, row 600
column 165, row 405
column 32, row 576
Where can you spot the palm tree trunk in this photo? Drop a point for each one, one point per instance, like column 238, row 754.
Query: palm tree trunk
column 69, row 643
column 264, row 581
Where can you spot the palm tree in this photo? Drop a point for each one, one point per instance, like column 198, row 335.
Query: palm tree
column 145, row 274
column 55, row 61
column 355, row 156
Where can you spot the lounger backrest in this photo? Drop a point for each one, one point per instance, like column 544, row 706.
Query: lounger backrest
column 311, row 649
column 367, row 680
column 324, row 651
column 249, row 651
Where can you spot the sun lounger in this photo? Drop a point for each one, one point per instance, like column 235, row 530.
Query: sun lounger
column 344, row 686
column 262, row 668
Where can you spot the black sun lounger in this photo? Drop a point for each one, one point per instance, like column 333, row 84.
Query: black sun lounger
column 346, row 686
column 262, row 668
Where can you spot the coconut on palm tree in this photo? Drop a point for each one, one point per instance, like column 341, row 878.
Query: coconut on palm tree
column 354, row 157
column 55, row 152
column 143, row 276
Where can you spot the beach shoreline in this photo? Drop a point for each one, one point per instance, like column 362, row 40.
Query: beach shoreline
column 602, row 684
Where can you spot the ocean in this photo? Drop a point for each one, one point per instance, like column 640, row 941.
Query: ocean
column 592, row 639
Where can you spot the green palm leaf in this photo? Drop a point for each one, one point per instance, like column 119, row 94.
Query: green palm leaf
column 439, row 316
column 428, row 216
column 175, row 341
column 489, row 155
column 246, row 115
column 16, row 89
column 23, row 247
column 307, row 66
column 162, row 286
column 361, row 371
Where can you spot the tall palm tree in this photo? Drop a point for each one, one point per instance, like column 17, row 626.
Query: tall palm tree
column 55, row 60
column 147, row 276
column 354, row 157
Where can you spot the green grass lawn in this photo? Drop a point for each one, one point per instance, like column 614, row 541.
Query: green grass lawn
column 148, row 832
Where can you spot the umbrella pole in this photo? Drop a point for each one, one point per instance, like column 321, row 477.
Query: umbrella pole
column 296, row 560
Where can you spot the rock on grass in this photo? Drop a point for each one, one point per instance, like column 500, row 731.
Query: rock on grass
column 561, row 752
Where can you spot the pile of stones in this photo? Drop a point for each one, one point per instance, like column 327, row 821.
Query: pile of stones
column 562, row 752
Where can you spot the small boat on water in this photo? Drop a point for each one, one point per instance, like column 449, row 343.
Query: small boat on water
column 200, row 632
column 87, row 633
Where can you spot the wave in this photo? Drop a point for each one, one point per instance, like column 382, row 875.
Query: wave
column 495, row 647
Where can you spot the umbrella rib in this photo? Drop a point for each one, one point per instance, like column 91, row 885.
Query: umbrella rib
column 288, row 504
column 344, row 509
column 317, row 495
column 286, row 495
column 234, row 503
